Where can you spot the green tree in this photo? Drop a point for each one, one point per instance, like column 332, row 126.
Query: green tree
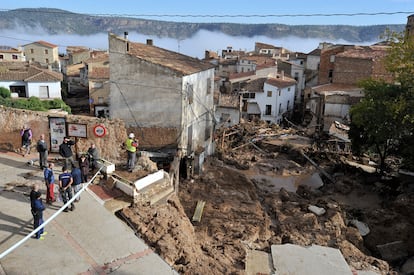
column 375, row 121
column 400, row 58
column 384, row 119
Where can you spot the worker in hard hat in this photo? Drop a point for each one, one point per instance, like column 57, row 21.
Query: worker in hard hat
column 131, row 145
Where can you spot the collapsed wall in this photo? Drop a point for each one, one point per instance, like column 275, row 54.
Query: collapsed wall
column 12, row 120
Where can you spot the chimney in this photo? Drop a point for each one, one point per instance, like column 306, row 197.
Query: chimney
column 126, row 35
column 149, row 42
column 282, row 73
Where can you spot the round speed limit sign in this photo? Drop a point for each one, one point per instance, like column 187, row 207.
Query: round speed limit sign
column 99, row 130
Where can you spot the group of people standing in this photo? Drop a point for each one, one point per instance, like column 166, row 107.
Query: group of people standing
column 69, row 183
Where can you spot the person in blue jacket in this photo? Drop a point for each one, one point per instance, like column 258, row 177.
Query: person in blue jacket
column 37, row 213
column 77, row 180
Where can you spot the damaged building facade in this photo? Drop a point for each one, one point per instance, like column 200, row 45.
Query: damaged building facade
column 166, row 98
column 341, row 68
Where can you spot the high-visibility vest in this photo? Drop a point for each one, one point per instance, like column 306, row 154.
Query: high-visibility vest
column 129, row 146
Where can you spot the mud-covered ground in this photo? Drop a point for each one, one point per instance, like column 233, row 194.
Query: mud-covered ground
column 242, row 213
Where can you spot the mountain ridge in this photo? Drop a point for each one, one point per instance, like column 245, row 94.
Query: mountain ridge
column 57, row 21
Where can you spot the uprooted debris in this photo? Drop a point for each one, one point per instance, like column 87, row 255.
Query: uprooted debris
column 259, row 194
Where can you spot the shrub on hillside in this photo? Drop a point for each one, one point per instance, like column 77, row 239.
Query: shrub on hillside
column 35, row 104
column 4, row 92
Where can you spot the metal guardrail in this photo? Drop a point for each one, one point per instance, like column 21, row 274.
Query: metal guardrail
column 16, row 245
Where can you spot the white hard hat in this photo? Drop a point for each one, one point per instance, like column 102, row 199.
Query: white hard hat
column 131, row 135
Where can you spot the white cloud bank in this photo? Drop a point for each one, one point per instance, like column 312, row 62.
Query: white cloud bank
column 194, row 46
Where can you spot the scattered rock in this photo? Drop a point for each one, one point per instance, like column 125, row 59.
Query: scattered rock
column 316, row 210
column 408, row 266
column 145, row 163
column 362, row 227
column 284, row 195
column 393, row 251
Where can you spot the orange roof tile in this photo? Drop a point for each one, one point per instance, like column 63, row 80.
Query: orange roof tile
column 175, row 61
column 23, row 71
column 102, row 57
column 281, row 82
column 43, row 43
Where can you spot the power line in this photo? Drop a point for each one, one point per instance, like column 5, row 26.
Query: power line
column 214, row 15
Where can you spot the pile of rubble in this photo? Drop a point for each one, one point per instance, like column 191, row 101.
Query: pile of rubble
column 259, row 191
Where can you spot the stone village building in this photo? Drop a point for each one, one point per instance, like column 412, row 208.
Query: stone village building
column 26, row 80
column 166, row 98
column 341, row 68
column 44, row 53
column 11, row 54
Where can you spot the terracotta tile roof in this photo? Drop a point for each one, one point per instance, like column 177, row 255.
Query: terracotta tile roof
column 281, row 82
column 316, row 52
column 261, row 59
column 43, row 43
column 76, row 49
column 95, row 53
column 228, row 62
column 7, row 49
column 99, row 73
column 365, row 52
column 22, row 71
column 265, row 46
column 102, row 57
column 74, row 69
column 239, row 75
column 177, row 62
column 255, row 85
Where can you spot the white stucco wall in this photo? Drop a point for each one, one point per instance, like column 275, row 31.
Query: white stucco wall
column 227, row 116
column 33, row 88
column 144, row 94
column 199, row 114
column 280, row 104
column 54, row 89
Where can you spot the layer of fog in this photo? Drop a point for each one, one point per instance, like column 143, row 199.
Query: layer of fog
column 194, row 46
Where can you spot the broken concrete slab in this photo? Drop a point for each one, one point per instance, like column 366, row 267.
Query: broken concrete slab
column 258, row 262
column 365, row 168
column 393, row 251
column 292, row 259
column 318, row 211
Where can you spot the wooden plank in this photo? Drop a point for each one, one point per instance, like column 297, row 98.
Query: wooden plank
column 198, row 211
column 232, row 133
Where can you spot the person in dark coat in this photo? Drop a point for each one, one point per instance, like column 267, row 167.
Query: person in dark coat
column 65, row 186
column 42, row 149
column 93, row 155
column 65, row 150
column 84, row 167
column 33, row 194
column 77, row 180
column 26, row 134
column 37, row 213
